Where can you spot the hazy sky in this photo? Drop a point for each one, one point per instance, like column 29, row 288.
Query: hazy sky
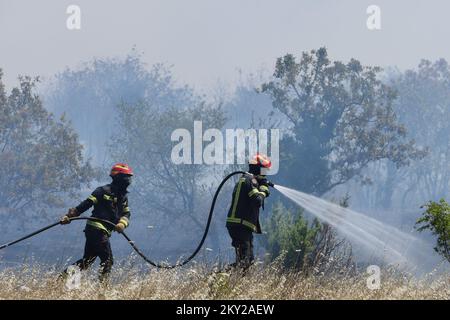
column 207, row 40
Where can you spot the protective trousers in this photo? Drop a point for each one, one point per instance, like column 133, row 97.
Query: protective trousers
column 242, row 241
column 97, row 245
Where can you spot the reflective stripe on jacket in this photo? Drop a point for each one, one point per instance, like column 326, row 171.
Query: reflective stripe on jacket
column 246, row 201
column 109, row 204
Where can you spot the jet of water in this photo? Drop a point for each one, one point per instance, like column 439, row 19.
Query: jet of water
column 381, row 240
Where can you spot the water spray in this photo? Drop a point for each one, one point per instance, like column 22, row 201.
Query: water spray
column 381, row 240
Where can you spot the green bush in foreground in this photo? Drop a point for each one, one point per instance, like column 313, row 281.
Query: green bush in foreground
column 303, row 245
column 436, row 218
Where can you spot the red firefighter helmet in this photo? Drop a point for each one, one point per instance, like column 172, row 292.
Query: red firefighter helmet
column 121, row 168
column 261, row 160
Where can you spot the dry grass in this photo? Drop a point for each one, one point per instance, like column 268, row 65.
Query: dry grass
column 196, row 282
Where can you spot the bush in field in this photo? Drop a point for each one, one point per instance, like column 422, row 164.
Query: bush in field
column 308, row 246
column 436, row 218
column 289, row 232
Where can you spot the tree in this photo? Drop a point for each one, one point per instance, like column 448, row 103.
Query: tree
column 342, row 118
column 311, row 247
column 41, row 157
column 423, row 107
column 90, row 94
column 174, row 194
column 436, row 218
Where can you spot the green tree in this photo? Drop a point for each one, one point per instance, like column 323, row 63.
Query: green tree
column 41, row 157
column 311, row 247
column 289, row 234
column 342, row 118
column 436, row 218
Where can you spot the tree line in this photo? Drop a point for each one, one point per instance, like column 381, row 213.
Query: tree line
column 342, row 123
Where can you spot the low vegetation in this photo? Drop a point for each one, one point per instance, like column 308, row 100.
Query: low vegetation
column 200, row 282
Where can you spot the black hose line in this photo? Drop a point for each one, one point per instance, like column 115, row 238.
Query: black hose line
column 135, row 248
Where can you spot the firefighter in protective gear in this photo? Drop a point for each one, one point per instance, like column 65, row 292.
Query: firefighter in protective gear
column 243, row 216
column 110, row 203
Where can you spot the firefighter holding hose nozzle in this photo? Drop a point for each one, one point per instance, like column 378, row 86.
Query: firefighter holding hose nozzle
column 110, row 203
column 243, row 216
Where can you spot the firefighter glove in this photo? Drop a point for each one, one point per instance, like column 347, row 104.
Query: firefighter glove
column 71, row 213
column 265, row 189
column 120, row 227
column 65, row 220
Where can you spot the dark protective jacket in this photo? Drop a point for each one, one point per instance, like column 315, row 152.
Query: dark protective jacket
column 248, row 197
column 110, row 204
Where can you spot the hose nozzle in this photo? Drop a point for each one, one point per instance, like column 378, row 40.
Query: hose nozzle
column 269, row 183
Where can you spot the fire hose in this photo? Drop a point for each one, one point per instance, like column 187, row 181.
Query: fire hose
column 132, row 244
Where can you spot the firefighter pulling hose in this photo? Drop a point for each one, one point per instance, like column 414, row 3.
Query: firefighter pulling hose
column 110, row 203
column 111, row 213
